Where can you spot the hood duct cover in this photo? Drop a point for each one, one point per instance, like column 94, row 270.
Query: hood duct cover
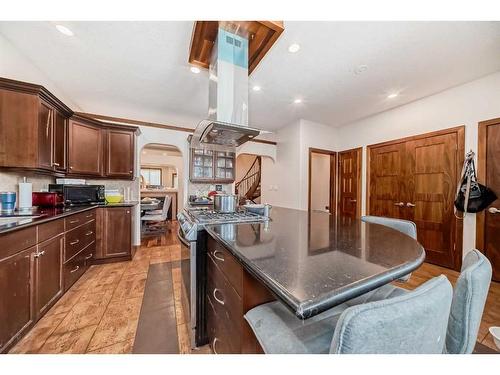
column 227, row 124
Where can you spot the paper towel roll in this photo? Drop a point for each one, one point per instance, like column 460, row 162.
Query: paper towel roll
column 25, row 199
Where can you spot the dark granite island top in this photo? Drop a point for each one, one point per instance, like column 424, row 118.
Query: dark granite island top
column 313, row 262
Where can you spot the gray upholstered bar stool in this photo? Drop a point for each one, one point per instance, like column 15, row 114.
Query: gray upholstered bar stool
column 469, row 298
column 404, row 226
column 413, row 322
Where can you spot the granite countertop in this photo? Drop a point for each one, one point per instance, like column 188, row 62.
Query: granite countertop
column 46, row 214
column 313, row 262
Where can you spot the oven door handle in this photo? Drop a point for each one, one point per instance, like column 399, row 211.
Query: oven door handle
column 181, row 238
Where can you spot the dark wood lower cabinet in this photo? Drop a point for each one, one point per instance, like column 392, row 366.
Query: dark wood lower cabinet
column 40, row 263
column 16, row 315
column 114, row 233
column 231, row 292
column 48, row 277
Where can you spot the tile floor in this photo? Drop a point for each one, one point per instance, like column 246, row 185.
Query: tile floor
column 100, row 313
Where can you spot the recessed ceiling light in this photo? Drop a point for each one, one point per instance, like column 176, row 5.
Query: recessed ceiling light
column 293, row 48
column 297, row 101
column 392, row 96
column 256, row 88
column 195, row 70
column 64, row 30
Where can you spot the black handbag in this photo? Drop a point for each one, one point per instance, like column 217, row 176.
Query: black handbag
column 471, row 195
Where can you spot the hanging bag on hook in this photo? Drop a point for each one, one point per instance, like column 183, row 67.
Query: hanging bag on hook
column 471, row 196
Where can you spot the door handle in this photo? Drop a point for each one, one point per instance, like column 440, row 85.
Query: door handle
column 399, row 204
column 493, row 210
column 410, row 204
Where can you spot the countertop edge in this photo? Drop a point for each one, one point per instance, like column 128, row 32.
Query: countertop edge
column 311, row 308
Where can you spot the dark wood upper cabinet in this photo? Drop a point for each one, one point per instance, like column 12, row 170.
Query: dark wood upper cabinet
column 85, row 149
column 16, row 296
column 48, row 273
column 120, row 153
column 45, row 136
column 60, row 141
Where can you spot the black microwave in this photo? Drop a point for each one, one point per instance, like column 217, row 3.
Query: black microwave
column 80, row 194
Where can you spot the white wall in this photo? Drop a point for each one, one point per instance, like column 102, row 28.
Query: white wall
column 462, row 105
column 14, row 65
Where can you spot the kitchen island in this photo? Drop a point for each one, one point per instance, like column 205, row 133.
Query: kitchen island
column 309, row 261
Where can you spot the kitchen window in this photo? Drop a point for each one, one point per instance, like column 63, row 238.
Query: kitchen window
column 152, row 176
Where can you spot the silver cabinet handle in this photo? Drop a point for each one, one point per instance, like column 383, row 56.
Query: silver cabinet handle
column 400, row 204
column 352, row 200
column 89, row 256
column 76, row 269
column 74, row 242
column 38, row 254
column 89, row 216
column 74, row 221
column 130, row 172
column 213, row 345
column 493, row 210
column 216, row 257
column 89, row 233
column 71, row 167
column 217, row 299
column 56, row 164
column 410, row 204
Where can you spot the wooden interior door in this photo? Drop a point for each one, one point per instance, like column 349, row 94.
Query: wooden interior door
column 431, row 180
column 387, row 181
column 349, row 182
column 488, row 222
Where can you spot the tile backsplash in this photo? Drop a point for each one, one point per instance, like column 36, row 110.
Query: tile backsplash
column 203, row 189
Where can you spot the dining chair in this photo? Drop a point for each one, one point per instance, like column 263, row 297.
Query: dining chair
column 404, row 226
column 413, row 322
column 469, row 299
column 161, row 217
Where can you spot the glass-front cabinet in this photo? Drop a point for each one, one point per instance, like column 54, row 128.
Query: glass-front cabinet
column 212, row 166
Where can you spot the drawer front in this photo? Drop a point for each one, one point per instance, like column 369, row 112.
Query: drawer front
column 79, row 238
column 73, row 270
column 17, row 241
column 88, row 254
column 50, row 230
column 76, row 220
column 227, row 304
column 219, row 337
column 227, row 263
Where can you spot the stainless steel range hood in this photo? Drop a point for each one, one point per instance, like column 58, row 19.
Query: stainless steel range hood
column 227, row 125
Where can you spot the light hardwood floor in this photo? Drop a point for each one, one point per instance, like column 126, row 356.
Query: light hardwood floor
column 99, row 314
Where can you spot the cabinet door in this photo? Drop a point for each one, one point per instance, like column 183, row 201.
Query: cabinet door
column 120, row 153
column 85, row 149
column 117, row 232
column 45, row 136
column 48, row 273
column 387, row 181
column 431, row 179
column 202, row 165
column 15, row 289
column 60, row 142
column 224, row 166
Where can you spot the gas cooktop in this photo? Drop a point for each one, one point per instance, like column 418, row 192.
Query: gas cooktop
column 212, row 217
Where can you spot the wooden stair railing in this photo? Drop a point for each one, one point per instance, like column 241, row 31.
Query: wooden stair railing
column 249, row 184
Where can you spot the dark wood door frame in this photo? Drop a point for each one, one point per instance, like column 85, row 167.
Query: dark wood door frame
column 359, row 166
column 481, row 175
column 333, row 176
column 458, row 227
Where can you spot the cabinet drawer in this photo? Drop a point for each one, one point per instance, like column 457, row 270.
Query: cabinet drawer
column 50, row 230
column 16, row 241
column 226, row 302
column 73, row 270
column 88, row 254
column 74, row 221
column 221, row 341
column 79, row 238
column 227, row 263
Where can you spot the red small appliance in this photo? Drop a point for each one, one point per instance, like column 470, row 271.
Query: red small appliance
column 47, row 199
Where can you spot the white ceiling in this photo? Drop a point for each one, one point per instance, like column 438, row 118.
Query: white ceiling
column 140, row 69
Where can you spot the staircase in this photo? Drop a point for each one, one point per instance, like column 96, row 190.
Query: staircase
column 249, row 186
